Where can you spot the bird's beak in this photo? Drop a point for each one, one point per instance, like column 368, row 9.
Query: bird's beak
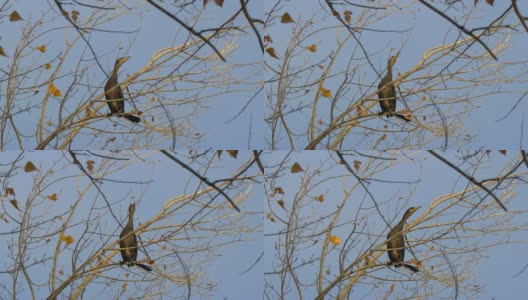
column 126, row 58
column 418, row 207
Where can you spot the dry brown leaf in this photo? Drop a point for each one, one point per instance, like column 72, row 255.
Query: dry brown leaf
column 9, row 191
column 2, row 52
column 348, row 15
column 53, row 197
column 219, row 153
column 286, row 18
column 14, row 16
column 267, row 39
column 29, row 167
column 278, row 190
column 74, row 14
column 271, row 52
column 503, row 152
column 219, row 2
column 269, row 217
column 320, row 198
column 14, row 203
column 490, row 2
column 47, row 66
column 232, row 153
column 90, row 165
column 357, row 165
column 296, row 168
column 282, row 204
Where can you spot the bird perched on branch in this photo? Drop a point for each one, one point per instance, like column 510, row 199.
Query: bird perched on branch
column 114, row 94
column 396, row 242
column 128, row 242
column 387, row 92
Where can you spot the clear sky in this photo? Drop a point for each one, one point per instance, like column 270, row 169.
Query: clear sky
column 416, row 179
column 150, row 182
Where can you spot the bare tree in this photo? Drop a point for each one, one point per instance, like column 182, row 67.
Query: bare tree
column 329, row 214
column 66, row 211
column 325, row 61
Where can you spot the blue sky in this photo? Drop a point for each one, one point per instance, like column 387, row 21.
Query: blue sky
column 416, row 179
column 150, row 183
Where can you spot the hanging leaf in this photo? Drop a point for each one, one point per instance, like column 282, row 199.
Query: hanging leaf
column 278, row 190
column 29, row 167
column 2, row 52
column 296, row 168
column 219, row 2
column 282, row 204
column 320, row 198
column 286, row 18
column 271, row 52
column 219, row 153
column 90, row 165
column 312, row 48
column 232, row 153
column 325, row 92
column 490, row 2
column 9, row 191
column 348, row 15
column 267, row 39
column 14, row 203
column 75, row 15
column 47, row 66
column 68, row 239
column 503, row 152
column 53, row 90
column 14, row 16
column 335, row 240
column 42, row 48
column 357, row 165
column 269, row 217
column 53, row 197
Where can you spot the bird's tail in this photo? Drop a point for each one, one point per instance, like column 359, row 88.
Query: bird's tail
column 144, row 267
column 132, row 118
column 405, row 118
column 412, row 268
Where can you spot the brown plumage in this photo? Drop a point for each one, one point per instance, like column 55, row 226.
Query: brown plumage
column 114, row 94
column 128, row 242
column 387, row 92
column 396, row 242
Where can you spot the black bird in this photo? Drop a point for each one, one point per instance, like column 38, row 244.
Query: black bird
column 128, row 242
column 396, row 242
column 114, row 94
column 387, row 92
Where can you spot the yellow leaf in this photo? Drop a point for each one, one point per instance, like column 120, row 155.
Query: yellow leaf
column 53, row 197
column 320, row 198
column 286, row 18
column 42, row 48
column 53, row 90
column 296, row 168
column 14, row 16
column 124, row 286
column 14, row 203
column 325, row 92
column 2, row 52
column 68, row 239
column 47, row 66
column 312, row 48
column 335, row 240
column 348, row 14
column 271, row 52
column 269, row 217
column 29, row 167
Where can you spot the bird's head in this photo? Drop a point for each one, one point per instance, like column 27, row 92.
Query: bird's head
column 120, row 61
column 132, row 208
column 411, row 211
column 392, row 59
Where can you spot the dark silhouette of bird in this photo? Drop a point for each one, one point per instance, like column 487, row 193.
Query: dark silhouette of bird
column 396, row 242
column 387, row 92
column 128, row 242
column 114, row 94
